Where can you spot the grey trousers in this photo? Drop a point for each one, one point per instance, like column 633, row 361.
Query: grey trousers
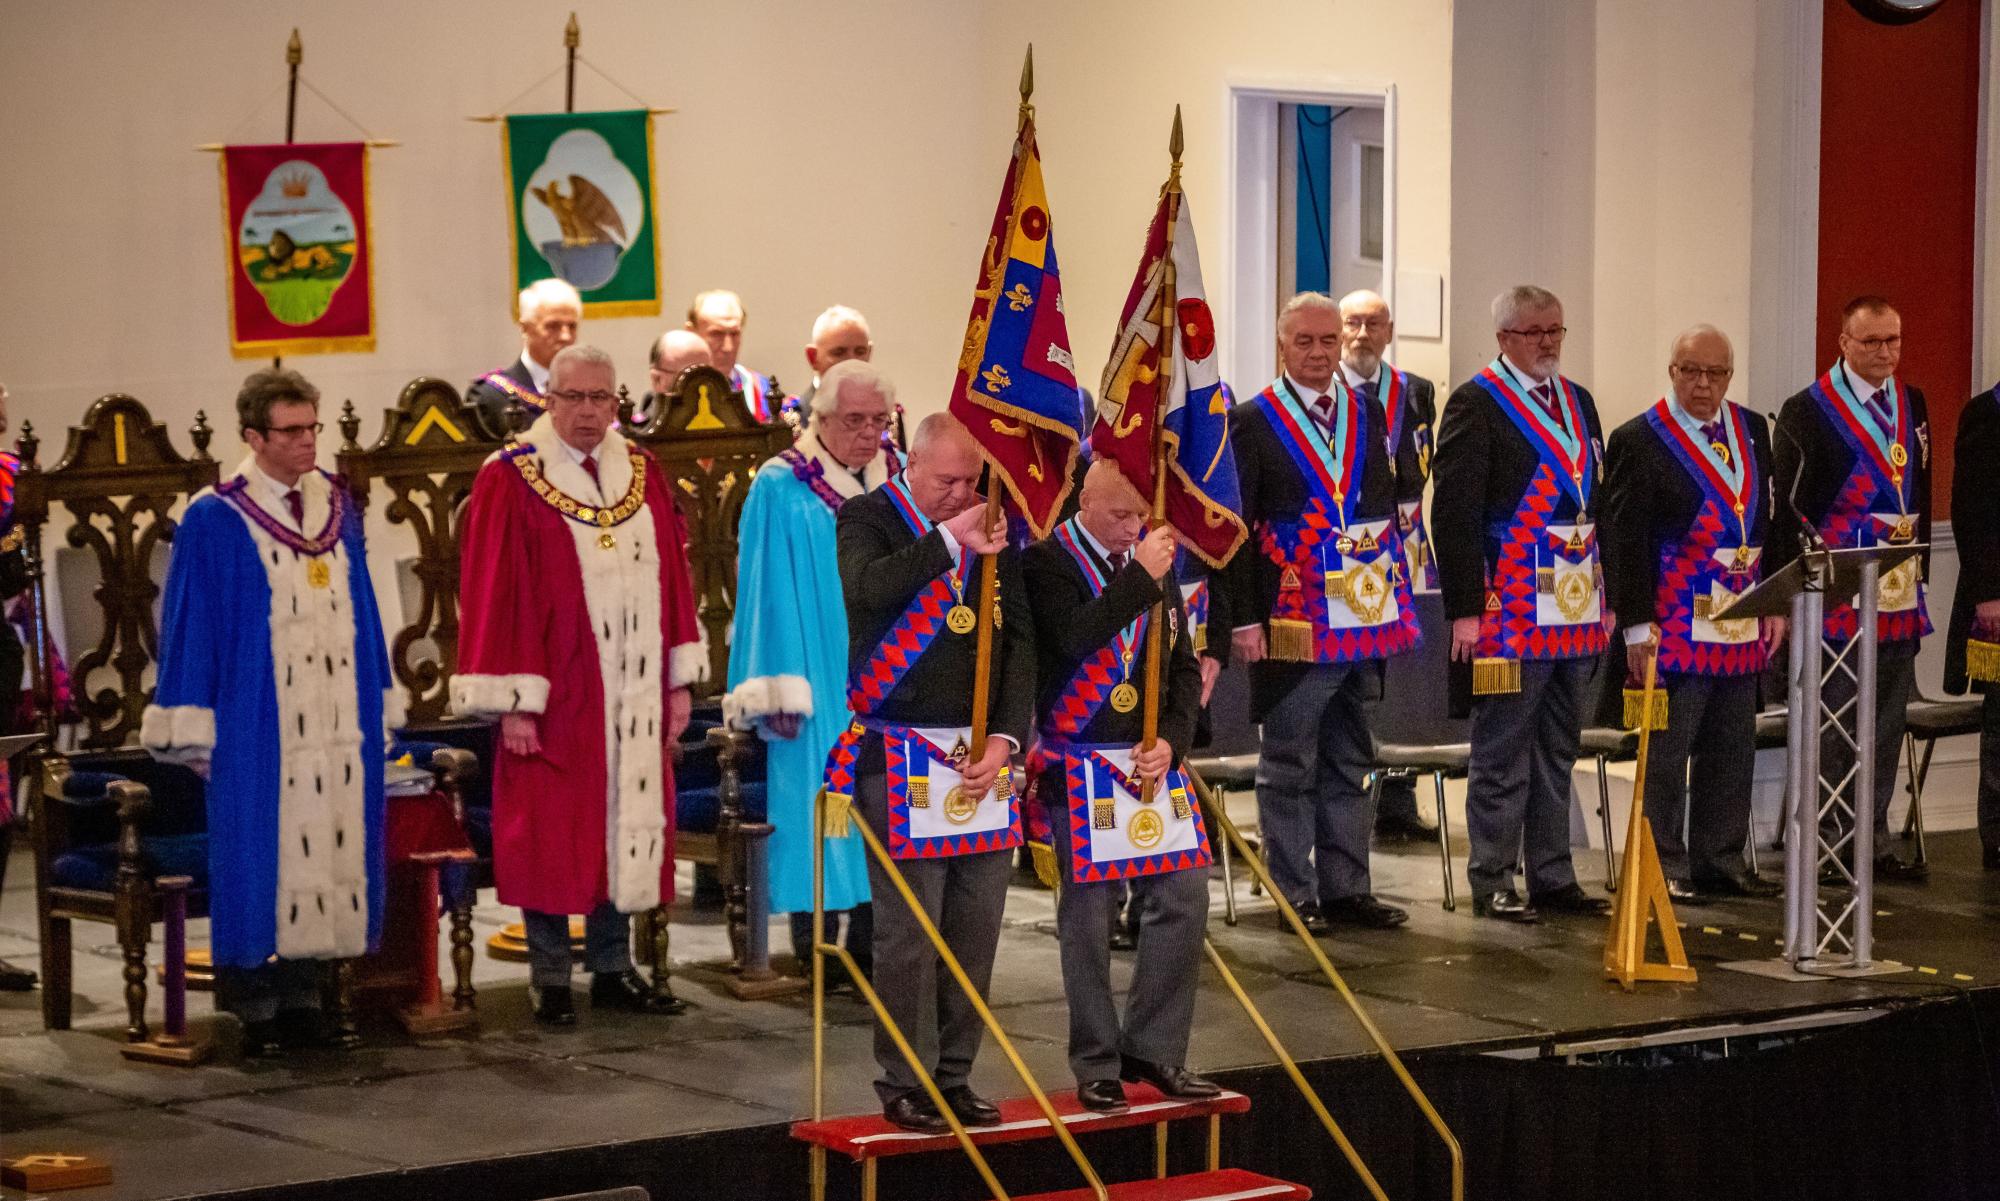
column 1518, row 789
column 1698, row 775
column 1895, row 678
column 607, row 944
column 259, row 994
column 1172, row 912
column 1989, row 770
column 963, row 896
column 1316, row 818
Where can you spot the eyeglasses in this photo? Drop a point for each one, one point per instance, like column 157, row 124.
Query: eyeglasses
column 856, row 422
column 1874, row 345
column 1714, row 375
column 1365, row 323
column 1554, row 333
column 291, row 431
column 599, row 399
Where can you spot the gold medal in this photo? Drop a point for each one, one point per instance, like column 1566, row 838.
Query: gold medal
column 1145, row 829
column 960, row 620
column 1344, row 545
column 318, row 574
column 959, row 807
column 1898, row 455
column 1125, row 698
column 607, row 540
column 1721, row 450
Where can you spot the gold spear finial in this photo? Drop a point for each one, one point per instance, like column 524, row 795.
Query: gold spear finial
column 1028, row 75
column 1175, row 143
column 295, row 50
column 572, row 36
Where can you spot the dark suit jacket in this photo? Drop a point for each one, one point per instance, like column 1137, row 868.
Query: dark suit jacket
column 1071, row 625
column 1975, row 526
column 1420, row 409
column 492, row 402
column 1808, row 450
column 1650, row 500
column 883, row 565
column 1273, row 488
column 1481, row 472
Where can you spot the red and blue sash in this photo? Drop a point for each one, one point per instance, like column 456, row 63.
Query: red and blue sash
column 1847, row 414
column 1334, row 482
column 914, row 631
column 1568, row 453
column 753, row 386
column 1687, row 566
column 1106, row 667
column 1393, row 386
column 1872, row 485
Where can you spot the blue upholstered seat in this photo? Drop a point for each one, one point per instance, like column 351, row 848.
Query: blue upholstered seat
column 95, row 867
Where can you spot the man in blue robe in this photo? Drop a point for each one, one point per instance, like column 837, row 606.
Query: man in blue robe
column 274, row 686
column 788, row 659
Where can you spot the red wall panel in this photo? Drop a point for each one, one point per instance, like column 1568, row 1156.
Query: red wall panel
column 1898, row 186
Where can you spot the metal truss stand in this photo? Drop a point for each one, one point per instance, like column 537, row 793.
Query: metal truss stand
column 1829, row 825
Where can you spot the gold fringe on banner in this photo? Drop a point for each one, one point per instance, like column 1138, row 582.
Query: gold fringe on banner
column 1635, row 703
column 1496, row 677
column 1043, row 856
column 1982, row 661
column 1291, row 641
column 838, row 818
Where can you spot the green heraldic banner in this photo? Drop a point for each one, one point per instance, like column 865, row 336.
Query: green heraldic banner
column 580, row 207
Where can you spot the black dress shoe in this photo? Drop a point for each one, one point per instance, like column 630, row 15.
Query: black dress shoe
column 1173, row 1081
column 1888, row 867
column 553, row 1006
column 1571, row 898
column 1315, row 921
column 1122, row 940
column 1362, row 909
column 971, row 1108
column 1682, row 892
column 1505, row 905
column 264, row 1040
column 914, row 1111
column 313, row 1030
column 1990, row 859
column 1102, row 1096
column 16, row 979
column 630, row 991
column 1743, row 884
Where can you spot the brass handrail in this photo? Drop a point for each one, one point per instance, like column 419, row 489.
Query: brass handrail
column 964, row 982
column 1214, row 806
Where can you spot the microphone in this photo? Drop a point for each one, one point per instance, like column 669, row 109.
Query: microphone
column 1814, row 541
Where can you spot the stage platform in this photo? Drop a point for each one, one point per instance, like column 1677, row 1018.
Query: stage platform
column 1504, row 1024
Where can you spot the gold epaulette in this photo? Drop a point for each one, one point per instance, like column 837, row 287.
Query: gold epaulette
column 1635, row 704
column 1982, row 661
column 1496, row 677
column 1291, row 641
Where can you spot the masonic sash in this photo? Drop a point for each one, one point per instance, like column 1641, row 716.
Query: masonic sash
column 1874, row 507
column 1106, row 673
column 531, row 401
column 939, row 604
column 1112, row 835
column 1715, row 561
column 314, row 550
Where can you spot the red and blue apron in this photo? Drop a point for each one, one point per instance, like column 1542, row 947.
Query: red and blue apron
column 1544, row 587
column 1343, row 588
column 1877, row 506
column 1394, row 387
column 930, row 816
column 1715, row 562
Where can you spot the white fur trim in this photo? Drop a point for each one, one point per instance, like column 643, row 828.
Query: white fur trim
column 836, row 473
column 490, row 696
column 178, row 733
column 687, row 664
column 745, row 704
column 322, row 893
column 395, row 711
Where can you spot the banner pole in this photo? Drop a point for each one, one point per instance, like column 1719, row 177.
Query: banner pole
column 295, row 53
column 572, row 38
column 1169, row 332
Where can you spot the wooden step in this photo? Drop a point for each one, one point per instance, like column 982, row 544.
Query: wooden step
column 871, row 1136
column 1228, row 1184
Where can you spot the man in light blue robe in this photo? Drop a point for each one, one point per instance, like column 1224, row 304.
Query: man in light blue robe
column 788, row 657
column 274, row 686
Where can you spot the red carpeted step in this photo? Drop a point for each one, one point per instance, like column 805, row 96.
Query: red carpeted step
column 871, row 1136
column 1229, row 1184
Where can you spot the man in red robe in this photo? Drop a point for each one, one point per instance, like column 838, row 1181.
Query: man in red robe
column 577, row 630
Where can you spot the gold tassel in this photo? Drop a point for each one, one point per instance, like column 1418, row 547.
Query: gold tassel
column 838, row 819
column 1291, row 641
column 1043, row 856
column 1982, row 661
column 1635, row 702
column 1496, row 677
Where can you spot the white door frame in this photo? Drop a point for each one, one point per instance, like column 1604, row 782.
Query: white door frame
column 1251, row 216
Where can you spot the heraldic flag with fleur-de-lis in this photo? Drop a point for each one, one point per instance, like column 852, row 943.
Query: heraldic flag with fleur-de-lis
column 1202, row 500
column 1016, row 389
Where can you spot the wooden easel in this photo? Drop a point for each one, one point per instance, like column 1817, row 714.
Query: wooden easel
column 1642, row 886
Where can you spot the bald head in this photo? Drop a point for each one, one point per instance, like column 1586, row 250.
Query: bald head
column 944, row 467
column 1111, row 508
column 1365, row 331
column 1700, row 364
column 675, row 352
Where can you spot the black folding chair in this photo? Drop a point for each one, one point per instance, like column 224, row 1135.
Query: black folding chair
column 1414, row 736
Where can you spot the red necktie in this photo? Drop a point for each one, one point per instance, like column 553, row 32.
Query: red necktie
column 1546, row 394
column 1118, row 562
column 296, row 502
column 590, row 468
column 1322, row 412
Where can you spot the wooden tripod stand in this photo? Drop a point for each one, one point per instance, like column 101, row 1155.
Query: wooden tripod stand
column 1642, row 886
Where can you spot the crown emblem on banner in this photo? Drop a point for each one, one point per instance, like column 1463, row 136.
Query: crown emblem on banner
column 295, row 183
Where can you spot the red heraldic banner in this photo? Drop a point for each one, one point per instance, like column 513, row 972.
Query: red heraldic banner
column 295, row 222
